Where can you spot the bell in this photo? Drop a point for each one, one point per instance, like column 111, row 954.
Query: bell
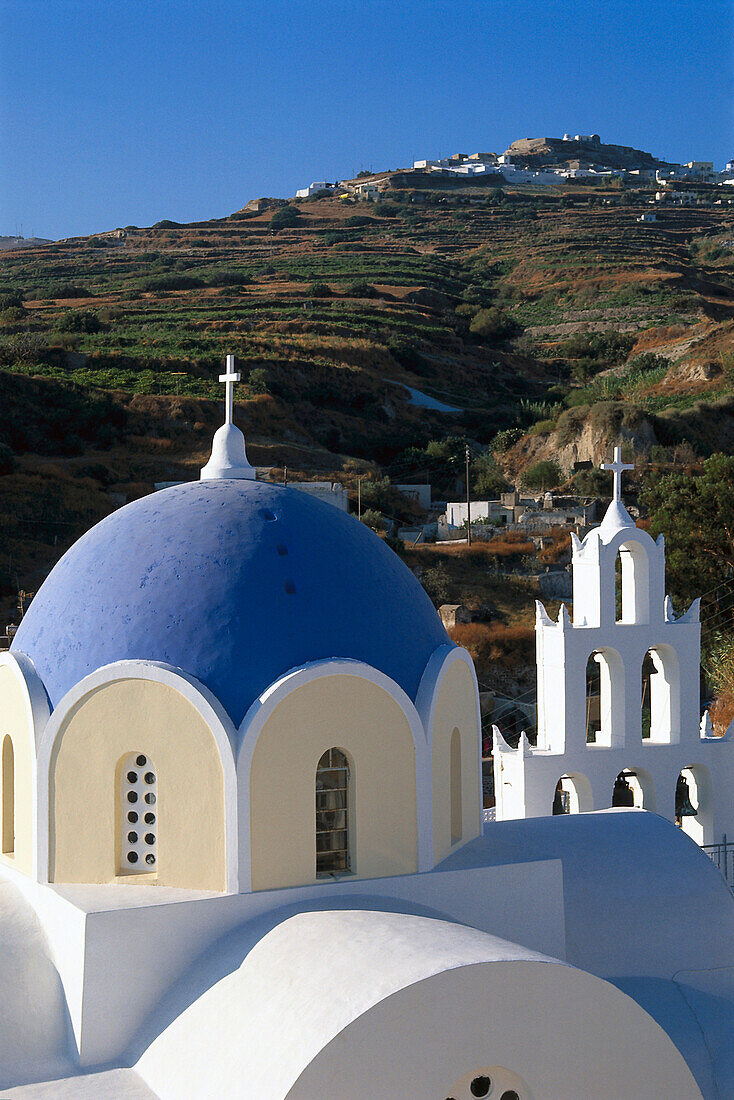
column 683, row 805
column 560, row 802
column 622, row 795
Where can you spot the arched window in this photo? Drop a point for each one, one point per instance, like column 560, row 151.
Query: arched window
column 457, row 826
column 332, row 814
column 8, row 797
column 139, row 815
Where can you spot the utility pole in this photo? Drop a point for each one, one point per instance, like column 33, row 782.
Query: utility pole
column 468, row 501
column 359, row 496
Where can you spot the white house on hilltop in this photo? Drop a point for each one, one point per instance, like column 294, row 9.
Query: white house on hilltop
column 618, row 696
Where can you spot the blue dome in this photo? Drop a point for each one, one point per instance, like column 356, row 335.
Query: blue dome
column 235, row 582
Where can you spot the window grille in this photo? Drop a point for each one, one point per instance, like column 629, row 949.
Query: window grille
column 139, row 812
column 332, row 804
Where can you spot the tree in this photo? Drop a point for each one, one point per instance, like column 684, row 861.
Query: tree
column 285, row 217
column 545, row 474
column 373, row 519
column 489, row 481
column 257, row 381
column 695, row 511
column 593, row 483
column 492, row 323
column 319, row 290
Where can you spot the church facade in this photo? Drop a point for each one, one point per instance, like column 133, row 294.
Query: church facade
column 241, row 845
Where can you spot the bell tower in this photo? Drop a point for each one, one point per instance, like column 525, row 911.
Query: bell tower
column 618, row 712
column 621, row 616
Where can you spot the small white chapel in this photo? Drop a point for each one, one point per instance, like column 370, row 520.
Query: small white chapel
column 242, row 845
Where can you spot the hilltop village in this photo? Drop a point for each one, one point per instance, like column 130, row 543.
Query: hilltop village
column 541, row 162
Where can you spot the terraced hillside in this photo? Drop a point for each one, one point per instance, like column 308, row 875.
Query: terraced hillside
column 363, row 331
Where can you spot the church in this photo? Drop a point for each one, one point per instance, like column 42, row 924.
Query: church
column 242, row 841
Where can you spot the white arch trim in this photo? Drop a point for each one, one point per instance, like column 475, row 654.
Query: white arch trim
column 252, row 725
column 202, row 700
column 439, row 663
column 38, row 711
column 38, row 708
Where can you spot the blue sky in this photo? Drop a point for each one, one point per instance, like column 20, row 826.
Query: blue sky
column 117, row 112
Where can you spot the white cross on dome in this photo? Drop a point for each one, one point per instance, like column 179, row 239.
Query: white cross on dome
column 617, row 468
column 229, row 378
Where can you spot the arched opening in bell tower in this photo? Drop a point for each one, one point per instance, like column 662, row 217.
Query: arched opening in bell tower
column 632, row 584
column 694, row 804
column 660, row 696
column 604, row 698
column 572, row 795
column 634, row 787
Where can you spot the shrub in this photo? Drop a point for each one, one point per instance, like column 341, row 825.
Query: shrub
column 542, row 427
column 69, row 290
column 319, row 290
column 360, row 290
column 545, row 474
column 10, row 298
column 11, row 314
column 173, row 282
column 570, row 424
column 489, row 481
column 437, row 583
column 79, row 320
column 373, row 519
column 506, row 439
column 285, row 217
column 229, row 278
column 492, row 322
column 257, row 381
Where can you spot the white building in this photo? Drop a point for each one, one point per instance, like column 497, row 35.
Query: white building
column 618, row 695
column 420, row 493
column 313, row 188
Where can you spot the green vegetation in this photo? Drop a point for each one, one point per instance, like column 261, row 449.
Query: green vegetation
column 543, row 475
column 695, row 510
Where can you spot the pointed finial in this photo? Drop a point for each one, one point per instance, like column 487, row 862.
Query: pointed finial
column 617, row 467
column 228, row 457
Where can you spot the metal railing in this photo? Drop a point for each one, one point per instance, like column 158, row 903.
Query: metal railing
column 722, row 855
